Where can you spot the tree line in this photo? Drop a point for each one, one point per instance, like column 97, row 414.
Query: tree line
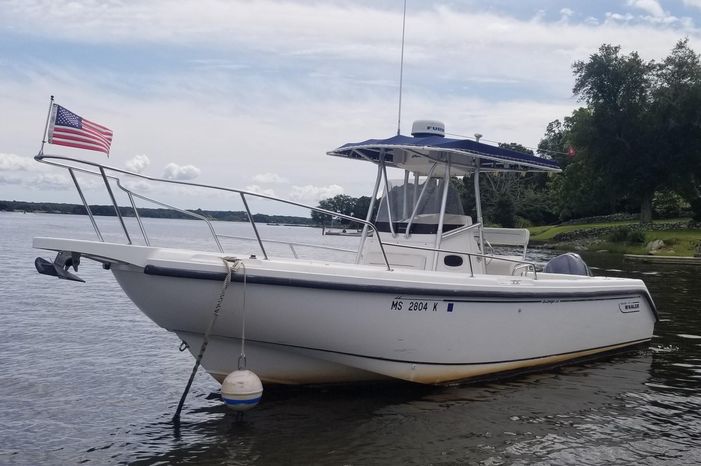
column 108, row 211
column 633, row 147
column 636, row 141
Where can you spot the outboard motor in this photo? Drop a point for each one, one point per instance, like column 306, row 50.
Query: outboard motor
column 569, row 263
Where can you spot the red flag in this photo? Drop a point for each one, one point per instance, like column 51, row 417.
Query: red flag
column 571, row 152
column 68, row 129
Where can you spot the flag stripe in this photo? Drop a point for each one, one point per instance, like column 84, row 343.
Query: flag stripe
column 79, row 132
column 96, row 134
column 98, row 127
column 80, row 146
column 92, row 128
column 68, row 129
column 79, row 138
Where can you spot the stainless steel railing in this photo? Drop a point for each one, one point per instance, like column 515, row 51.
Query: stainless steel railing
column 102, row 172
column 60, row 161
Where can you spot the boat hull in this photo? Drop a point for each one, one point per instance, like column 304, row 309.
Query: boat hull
column 310, row 331
column 312, row 322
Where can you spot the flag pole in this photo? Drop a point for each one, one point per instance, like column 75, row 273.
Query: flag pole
column 46, row 126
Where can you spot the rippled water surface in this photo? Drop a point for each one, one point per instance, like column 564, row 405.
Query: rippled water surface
column 85, row 377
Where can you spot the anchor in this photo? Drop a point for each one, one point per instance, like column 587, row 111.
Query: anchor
column 59, row 267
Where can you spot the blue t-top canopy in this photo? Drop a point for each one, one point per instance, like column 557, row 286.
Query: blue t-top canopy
column 418, row 154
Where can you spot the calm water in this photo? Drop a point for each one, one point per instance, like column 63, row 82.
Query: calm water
column 86, row 378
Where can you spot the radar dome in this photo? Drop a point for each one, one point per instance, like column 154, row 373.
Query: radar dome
column 425, row 128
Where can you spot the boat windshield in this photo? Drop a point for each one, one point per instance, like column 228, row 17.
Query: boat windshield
column 406, row 199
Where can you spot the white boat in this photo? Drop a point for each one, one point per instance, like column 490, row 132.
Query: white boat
column 426, row 298
column 341, row 232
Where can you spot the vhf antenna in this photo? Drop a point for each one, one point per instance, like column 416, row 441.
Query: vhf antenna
column 401, row 74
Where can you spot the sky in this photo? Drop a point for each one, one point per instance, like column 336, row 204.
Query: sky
column 252, row 93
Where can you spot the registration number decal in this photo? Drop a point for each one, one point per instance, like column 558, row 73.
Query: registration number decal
column 419, row 305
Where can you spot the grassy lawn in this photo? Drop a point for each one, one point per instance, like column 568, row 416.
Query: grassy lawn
column 546, row 233
column 677, row 242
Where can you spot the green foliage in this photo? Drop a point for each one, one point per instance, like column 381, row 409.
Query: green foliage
column 668, row 204
column 618, row 235
column 505, row 212
column 636, row 237
column 343, row 204
column 515, row 146
column 640, row 129
column 696, row 209
column 361, row 206
column 626, row 235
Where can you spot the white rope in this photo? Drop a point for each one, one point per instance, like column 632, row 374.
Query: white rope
column 242, row 357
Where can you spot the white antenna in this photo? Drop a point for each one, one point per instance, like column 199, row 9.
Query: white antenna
column 401, row 74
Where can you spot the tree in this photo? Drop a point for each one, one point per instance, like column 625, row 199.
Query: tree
column 556, row 142
column 341, row 203
column 617, row 133
column 677, row 113
column 508, row 195
column 361, row 206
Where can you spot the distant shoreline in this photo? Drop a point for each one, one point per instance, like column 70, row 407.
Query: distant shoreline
column 109, row 211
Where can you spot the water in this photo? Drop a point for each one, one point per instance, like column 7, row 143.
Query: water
column 86, row 378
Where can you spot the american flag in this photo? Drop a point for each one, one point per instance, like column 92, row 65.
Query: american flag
column 68, row 129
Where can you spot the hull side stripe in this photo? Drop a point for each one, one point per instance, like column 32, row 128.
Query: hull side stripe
column 395, row 290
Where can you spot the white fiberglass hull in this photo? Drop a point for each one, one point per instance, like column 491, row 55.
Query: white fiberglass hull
column 314, row 322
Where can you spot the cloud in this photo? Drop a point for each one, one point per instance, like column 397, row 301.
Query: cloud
column 693, row 3
column 651, row 6
column 218, row 64
column 138, row 163
column 41, row 181
column 25, row 171
column 310, row 194
column 658, row 16
column 254, row 188
column 565, row 14
column 269, row 178
column 138, row 185
column 174, row 171
column 618, row 17
column 13, row 162
column 52, row 181
column 11, row 179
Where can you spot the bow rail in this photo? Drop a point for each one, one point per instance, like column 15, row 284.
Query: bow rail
column 69, row 164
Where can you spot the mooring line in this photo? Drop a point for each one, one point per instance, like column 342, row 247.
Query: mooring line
column 205, row 341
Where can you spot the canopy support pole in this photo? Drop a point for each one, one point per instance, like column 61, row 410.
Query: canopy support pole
column 478, row 203
column 421, row 196
column 368, row 217
column 386, row 195
column 405, row 207
column 441, row 217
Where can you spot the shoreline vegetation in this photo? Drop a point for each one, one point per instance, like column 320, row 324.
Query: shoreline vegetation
column 615, row 233
column 667, row 237
column 108, row 211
